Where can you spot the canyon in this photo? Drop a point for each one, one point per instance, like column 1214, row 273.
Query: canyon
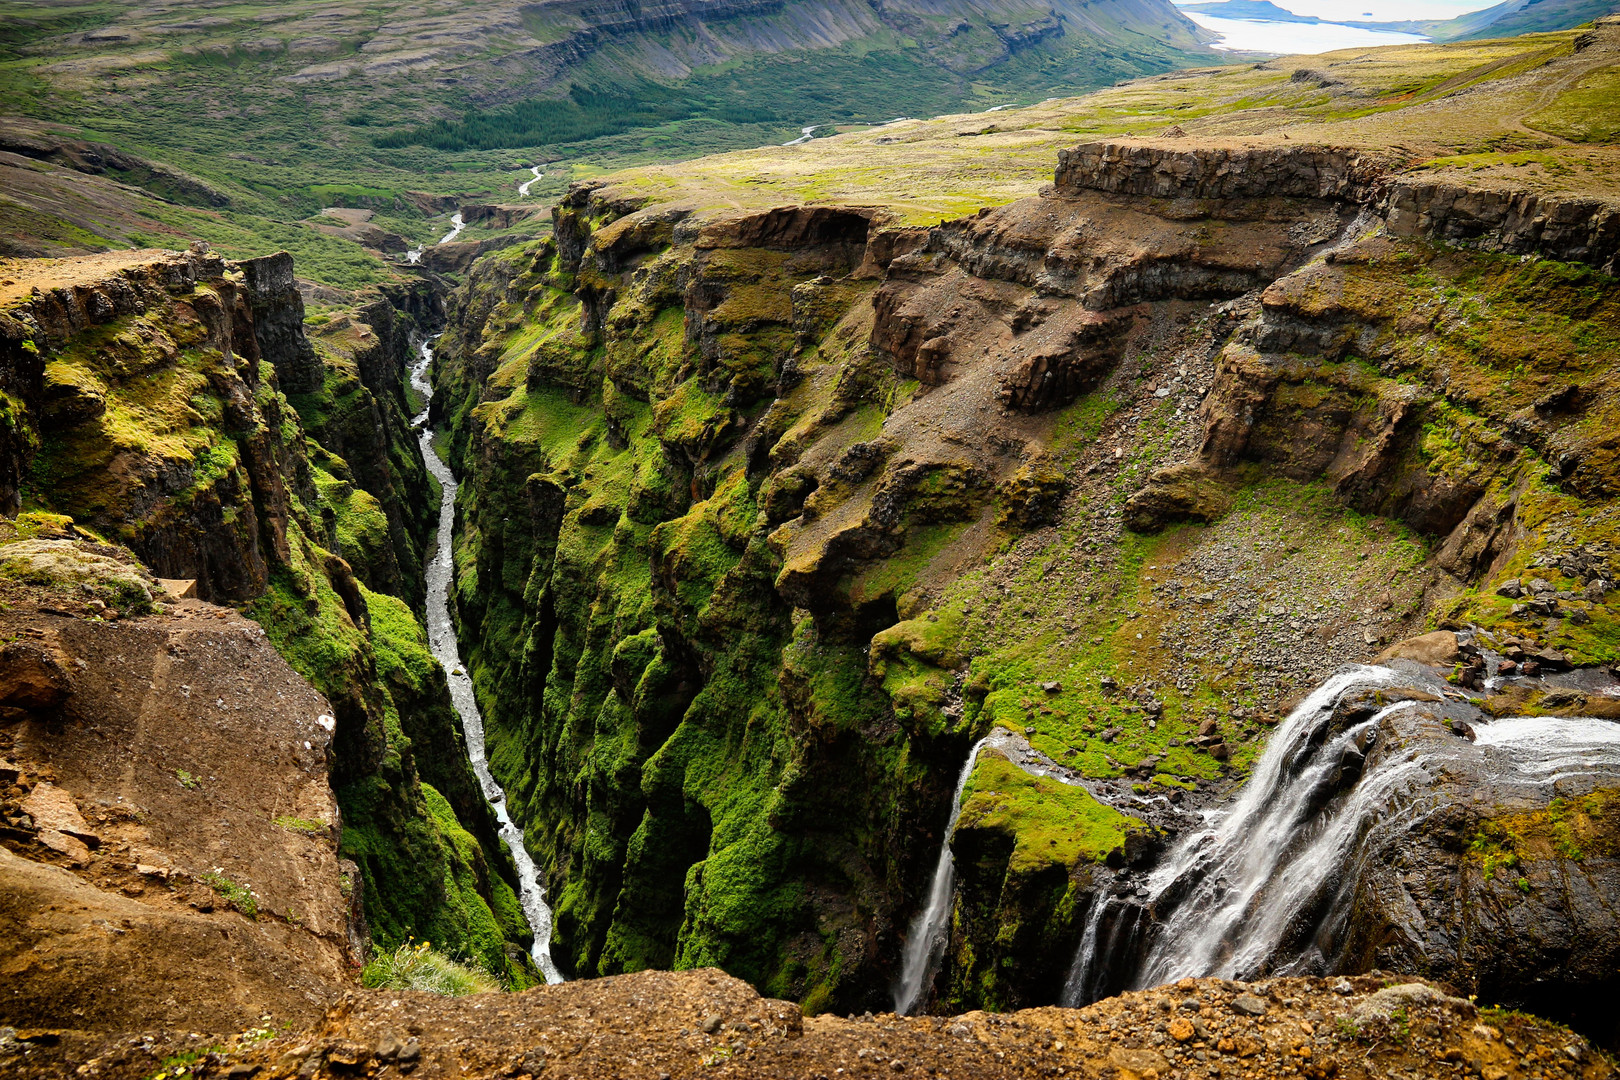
column 1159, row 621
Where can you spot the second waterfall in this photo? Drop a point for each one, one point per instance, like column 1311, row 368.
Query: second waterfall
column 925, row 944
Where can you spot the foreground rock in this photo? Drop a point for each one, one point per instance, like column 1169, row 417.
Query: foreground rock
column 704, row 1023
column 168, row 836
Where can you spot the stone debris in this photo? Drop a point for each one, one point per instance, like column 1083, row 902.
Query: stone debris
column 706, row 1024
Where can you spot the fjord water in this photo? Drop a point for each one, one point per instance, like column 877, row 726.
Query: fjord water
column 1294, row 38
column 925, row 944
column 1235, row 895
column 442, row 641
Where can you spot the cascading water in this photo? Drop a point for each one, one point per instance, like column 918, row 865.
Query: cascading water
column 925, row 943
column 445, row 648
column 523, row 188
column 1250, row 876
column 456, row 225
column 1265, row 887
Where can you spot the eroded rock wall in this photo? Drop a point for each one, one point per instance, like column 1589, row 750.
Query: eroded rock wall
column 150, row 410
column 765, row 525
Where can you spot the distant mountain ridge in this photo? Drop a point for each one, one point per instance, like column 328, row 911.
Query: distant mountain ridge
column 392, row 106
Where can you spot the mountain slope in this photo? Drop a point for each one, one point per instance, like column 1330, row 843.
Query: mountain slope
column 262, row 118
column 1515, row 17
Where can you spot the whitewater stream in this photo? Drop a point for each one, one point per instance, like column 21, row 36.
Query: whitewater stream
column 442, row 641
column 523, row 188
column 1235, row 894
column 456, row 225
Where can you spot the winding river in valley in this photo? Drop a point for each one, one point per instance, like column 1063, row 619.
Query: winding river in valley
column 442, row 640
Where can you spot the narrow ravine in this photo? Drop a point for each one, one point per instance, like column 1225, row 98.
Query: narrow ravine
column 442, row 641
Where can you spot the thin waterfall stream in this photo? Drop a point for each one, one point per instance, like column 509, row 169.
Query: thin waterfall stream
column 925, row 943
column 446, row 649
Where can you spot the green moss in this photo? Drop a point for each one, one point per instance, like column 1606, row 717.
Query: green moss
column 1051, row 821
column 693, row 419
column 234, row 893
column 303, row 826
column 1567, row 828
column 46, row 551
column 899, row 572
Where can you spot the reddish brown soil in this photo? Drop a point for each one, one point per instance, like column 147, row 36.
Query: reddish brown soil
column 705, row 1024
column 169, row 836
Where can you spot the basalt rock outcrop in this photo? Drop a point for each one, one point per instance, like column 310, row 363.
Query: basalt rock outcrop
column 1507, row 888
column 147, row 408
column 218, row 517
column 1568, row 228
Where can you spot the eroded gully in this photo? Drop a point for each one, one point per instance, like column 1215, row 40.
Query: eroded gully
column 442, row 641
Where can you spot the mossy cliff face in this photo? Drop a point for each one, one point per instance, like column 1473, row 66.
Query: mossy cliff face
column 359, row 416
column 701, row 768
column 770, row 514
column 148, row 409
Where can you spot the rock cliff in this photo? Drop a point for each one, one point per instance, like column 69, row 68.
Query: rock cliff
column 170, row 836
column 148, row 409
column 807, row 500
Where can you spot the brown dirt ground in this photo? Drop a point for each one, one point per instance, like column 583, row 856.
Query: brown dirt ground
column 668, row 1025
column 191, row 879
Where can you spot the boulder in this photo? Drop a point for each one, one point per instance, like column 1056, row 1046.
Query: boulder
column 1176, row 494
column 1438, row 649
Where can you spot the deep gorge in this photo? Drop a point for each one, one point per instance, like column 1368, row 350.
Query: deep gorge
column 1160, row 624
column 714, row 517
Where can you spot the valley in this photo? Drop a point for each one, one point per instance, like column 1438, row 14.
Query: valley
column 1118, row 586
column 261, row 117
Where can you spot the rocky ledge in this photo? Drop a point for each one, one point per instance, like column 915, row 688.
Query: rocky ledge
column 704, row 1023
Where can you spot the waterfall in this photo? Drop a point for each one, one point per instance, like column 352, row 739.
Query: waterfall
column 925, row 943
column 1225, row 863
column 445, row 648
column 1264, row 887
